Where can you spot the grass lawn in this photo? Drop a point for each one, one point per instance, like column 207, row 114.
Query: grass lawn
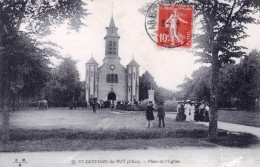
column 105, row 119
column 62, row 129
column 240, row 117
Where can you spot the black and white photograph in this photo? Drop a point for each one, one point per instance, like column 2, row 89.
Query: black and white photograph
column 129, row 83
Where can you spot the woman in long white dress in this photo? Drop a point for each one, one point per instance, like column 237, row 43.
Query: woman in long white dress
column 187, row 110
column 192, row 111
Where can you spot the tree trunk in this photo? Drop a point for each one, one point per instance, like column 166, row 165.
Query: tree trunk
column 5, row 130
column 214, row 95
column 5, row 127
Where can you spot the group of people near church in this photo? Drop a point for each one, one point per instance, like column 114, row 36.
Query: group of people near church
column 112, row 104
column 186, row 111
column 191, row 111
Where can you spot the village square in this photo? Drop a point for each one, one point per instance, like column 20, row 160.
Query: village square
column 86, row 83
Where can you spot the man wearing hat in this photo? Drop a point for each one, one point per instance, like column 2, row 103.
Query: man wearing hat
column 161, row 114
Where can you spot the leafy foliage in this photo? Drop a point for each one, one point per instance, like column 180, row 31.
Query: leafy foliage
column 238, row 81
column 25, row 67
column 224, row 24
column 197, row 87
column 147, row 82
column 24, row 60
column 64, row 84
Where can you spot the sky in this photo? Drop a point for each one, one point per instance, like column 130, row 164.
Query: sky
column 169, row 66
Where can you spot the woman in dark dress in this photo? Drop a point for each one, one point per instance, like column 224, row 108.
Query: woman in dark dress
column 202, row 111
column 197, row 112
column 149, row 114
column 180, row 112
column 206, row 115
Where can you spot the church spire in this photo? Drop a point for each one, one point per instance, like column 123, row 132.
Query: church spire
column 112, row 29
column 112, row 23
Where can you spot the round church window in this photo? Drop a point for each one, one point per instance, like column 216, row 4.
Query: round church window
column 112, row 67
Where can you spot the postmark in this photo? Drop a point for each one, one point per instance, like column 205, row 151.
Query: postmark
column 170, row 24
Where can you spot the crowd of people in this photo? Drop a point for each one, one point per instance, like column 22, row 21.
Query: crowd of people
column 192, row 111
column 186, row 111
column 119, row 104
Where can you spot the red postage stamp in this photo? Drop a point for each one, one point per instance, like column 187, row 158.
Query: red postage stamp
column 175, row 26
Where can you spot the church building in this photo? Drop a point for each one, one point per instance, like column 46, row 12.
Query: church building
column 112, row 81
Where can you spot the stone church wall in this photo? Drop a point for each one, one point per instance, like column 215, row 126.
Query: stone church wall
column 120, row 88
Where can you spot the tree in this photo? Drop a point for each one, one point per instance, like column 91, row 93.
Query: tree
column 223, row 25
column 237, row 81
column 38, row 16
column 247, row 74
column 198, row 86
column 64, row 85
column 147, row 82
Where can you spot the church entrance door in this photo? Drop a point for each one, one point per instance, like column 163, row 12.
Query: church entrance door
column 111, row 96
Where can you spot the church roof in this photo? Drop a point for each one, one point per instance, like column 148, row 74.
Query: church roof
column 133, row 63
column 112, row 23
column 92, row 61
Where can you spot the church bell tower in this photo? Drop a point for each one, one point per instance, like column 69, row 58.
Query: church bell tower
column 111, row 42
column 133, row 81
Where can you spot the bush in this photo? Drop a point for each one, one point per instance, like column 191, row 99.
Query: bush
column 171, row 105
column 21, row 134
column 143, row 105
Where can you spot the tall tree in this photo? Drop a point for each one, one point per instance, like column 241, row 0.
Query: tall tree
column 223, row 25
column 38, row 16
column 198, row 86
column 247, row 76
column 146, row 83
column 64, row 85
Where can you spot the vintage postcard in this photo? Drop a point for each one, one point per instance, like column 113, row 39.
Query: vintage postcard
column 135, row 83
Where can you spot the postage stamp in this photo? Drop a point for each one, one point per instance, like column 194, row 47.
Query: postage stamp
column 170, row 25
column 174, row 26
